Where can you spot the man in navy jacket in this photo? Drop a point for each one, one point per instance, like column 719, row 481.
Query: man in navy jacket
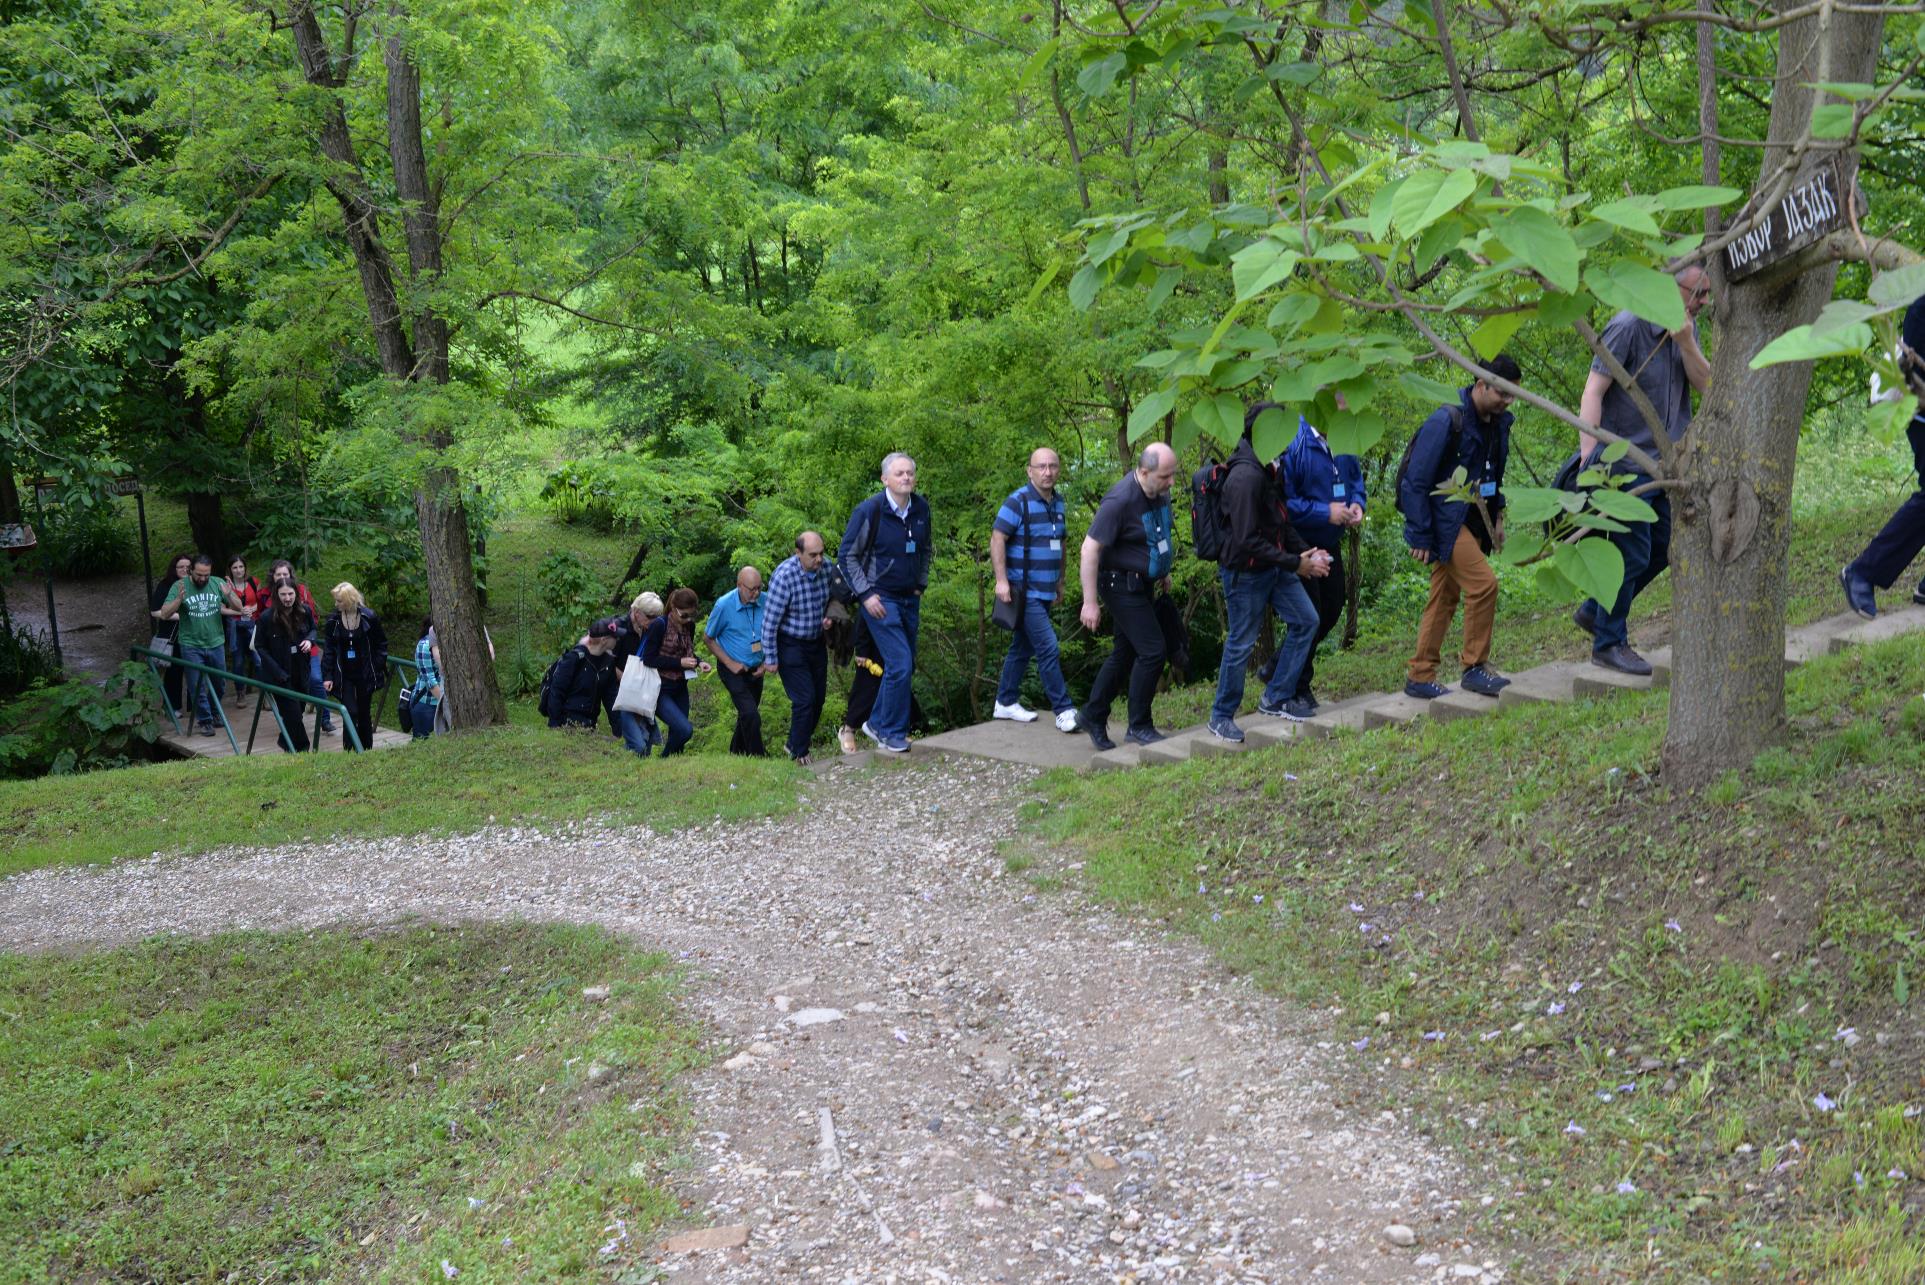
column 1325, row 494
column 1884, row 560
column 1452, row 536
column 885, row 559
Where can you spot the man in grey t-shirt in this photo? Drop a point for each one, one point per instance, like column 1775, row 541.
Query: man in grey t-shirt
column 1666, row 365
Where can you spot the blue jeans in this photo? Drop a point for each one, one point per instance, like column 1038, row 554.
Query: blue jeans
column 1903, row 535
column 1647, row 552
column 314, row 687
column 803, row 666
column 671, row 711
column 421, row 718
column 1246, row 596
column 240, row 640
column 1035, row 635
column 203, row 690
column 895, row 636
column 639, row 734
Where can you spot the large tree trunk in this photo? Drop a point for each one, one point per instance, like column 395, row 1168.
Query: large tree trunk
column 476, row 700
column 209, row 526
column 1732, row 518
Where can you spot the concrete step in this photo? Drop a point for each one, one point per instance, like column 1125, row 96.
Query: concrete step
column 1124, row 756
column 1554, row 682
column 1343, row 715
column 1394, row 710
column 1595, row 680
column 1260, row 730
column 1889, row 625
column 1462, row 704
column 1807, row 642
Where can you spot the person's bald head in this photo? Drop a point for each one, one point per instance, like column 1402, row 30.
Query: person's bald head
column 809, row 549
column 1045, row 466
column 1156, row 470
column 748, row 583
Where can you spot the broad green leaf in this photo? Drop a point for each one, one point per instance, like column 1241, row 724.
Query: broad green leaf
column 1532, row 503
column 1897, row 288
column 1428, row 195
column 1456, row 153
column 1038, row 62
column 1159, row 359
column 1541, row 241
column 1166, row 280
column 1438, row 237
column 1801, row 344
column 1619, row 505
column 1832, row 120
column 1355, row 432
column 1043, row 282
column 1272, row 433
column 1562, row 309
column 1203, row 414
column 1184, row 435
column 1354, row 176
column 1652, row 295
column 1338, row 252
column 1084, row 285
column 1849, row 90
column 1633, row 214
column 1229, row 413
column 1889, row 420
column 1103, row 249
column 1594, row 566
column 1614, row 452
column 1301, row 384
column 1840, row 313
column 1426, row 389
column 1260, row 265
column 1696, row 196
column 1495, row 331
column 1292, row 311
column 1099, row 77
column 1151, row 409
column 1236, row 374
column 1293, row 72
column 1382, row 207
column 1595, row 521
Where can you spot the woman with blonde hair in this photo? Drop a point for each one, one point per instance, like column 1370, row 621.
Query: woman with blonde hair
column 355, row 666
column 638, row 733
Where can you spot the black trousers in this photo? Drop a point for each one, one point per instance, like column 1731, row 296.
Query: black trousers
column 295, row 742
column 1327, row 596
column 358, row 701
column 1893, row 548
column 803, row 666
column 745, row 689
column 1137, row 657
column 864, row 686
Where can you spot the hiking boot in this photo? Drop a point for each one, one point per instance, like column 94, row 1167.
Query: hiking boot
column 846, row 737
column 1484, row 681
column 1143, row 736
column 1585, row 618
column 1226, row 729
column 1309, row 698
column 1859, row 595
column 1623, row 660
column 1099, row 735
column 1066, row 721
column 1014, row 713
column 1425, row 691
column 1297, row 709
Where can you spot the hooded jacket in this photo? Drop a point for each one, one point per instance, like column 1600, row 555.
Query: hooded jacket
column 1257, row 529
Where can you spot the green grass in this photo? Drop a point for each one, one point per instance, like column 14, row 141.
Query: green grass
column 337, row 1106
column 444, row 785
column 1534, row 859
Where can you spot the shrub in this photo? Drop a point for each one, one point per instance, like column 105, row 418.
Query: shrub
column 26, row 657
column 572, row 595
column 61, row 728
column 86, row 539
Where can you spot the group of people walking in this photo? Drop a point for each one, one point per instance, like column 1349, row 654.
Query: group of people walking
column 274, row 632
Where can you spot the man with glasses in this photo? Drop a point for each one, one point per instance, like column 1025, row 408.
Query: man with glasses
column 1026, row 550
column 795, row 612
column 734, row 635
column 1667, row 366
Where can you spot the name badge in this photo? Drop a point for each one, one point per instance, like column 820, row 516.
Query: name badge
column 1055, row 546
column 1487, row 489
column 1163, row 545
column 909, row 546
column 755, row 646
column 350, row 653
column 1336, row 492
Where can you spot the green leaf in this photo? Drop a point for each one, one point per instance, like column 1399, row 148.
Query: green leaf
column 1840, row 313
column 1354, row 432
column 1696, row 196
column 1159, row 359
column 1292, row 311
column 1438, row 237
column 1203, row 414
column 1272, row 433
column 1382, row 206
column 1229, row 412
column 1084, row 285
column 1889, row 420
column 1293, row 72
column 1563, row 309
column 1633, row 214
column 1038, row 62
column 1801, row 343
column 1624, row 507
column 1099, row 77
column 1043, row 282
column 1614, row 452
column 1532, row 503
column 1897, row 288
column 1427, row 196
column 1260, row 265
column 1151, row 409
column 1495, row 331
column 1832, row 120
column 1541, row 241
column 1426, row 389
column 1594, row 565
column 1166, row 280
column 1101, row 251
column 1652, row 295
column 1595, row 521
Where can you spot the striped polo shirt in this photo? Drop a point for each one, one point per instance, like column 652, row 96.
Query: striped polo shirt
column 1035, row 531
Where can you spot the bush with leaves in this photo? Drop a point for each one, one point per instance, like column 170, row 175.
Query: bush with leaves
column 571, row 596
column 60, row 728
column 26, row 656
column 86, row 538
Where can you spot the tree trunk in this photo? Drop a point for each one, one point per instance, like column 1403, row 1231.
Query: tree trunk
column 208, row 526
column 474, row 700
column 1732, row 518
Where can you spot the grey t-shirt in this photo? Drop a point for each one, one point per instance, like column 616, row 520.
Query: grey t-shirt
column 1652, row 356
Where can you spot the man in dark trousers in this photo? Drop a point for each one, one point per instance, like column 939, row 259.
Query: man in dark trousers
column 794, row 617
column 885, row 558
column 1129, row 548
column 1261, row 565
column 1898, row 542
column 1325, row 493
column 734, row 635
column 1452, row 536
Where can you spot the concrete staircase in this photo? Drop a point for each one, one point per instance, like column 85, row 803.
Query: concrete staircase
column 1041, row 745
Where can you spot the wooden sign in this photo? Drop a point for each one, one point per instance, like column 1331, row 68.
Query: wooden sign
column 124, row 486
column 48, row 487
column 1814, row 206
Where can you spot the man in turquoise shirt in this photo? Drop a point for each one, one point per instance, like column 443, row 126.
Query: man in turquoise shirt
column 735, row 636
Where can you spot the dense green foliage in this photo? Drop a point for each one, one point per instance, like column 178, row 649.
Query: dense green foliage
column 67, row 727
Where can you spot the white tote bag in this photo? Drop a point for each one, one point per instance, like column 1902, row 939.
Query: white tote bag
column 641, row 688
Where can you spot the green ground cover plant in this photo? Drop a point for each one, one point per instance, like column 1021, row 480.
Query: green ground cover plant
column 343, row 1105
column 444, row 785
column 1682, row 1027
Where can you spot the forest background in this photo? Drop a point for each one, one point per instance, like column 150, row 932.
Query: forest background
column 697, row 270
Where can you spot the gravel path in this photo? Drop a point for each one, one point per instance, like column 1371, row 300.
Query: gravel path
column 1016, row 1088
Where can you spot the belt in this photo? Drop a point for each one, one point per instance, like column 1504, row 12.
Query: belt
column 1132, row 581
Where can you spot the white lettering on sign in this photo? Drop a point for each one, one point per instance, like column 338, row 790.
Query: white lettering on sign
column 1749, row 246
column 1807, row 211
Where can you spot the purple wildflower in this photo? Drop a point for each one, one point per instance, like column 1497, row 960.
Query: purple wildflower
column 1575, row 987
column 1360, row 1045
column 1575, row 1129
column 1627, row 1188
column 1824, row 1103
column 1674, row 926
column 1434, row 1036
column 1553, row 1008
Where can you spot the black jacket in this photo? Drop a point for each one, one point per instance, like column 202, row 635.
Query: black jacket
column 583, row 684
column 1257, row 530
column 368, row 669
column 281, row 664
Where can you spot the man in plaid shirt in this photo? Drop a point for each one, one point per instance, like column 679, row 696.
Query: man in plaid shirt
column 794, row 614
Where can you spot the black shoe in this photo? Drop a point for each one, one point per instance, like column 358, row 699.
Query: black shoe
column 1623, row 660
column 1306, row 697
column 1425, row 691
column 1268, row 710
column 1585, row 618
column 1297, row 709
column 1099, row 733
column 1918, row 594
column 1859, row 595
column 1484, row 680
column 1143, row 736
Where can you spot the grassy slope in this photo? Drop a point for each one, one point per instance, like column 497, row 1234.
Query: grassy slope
column 1707, row 949
column 336, row 1105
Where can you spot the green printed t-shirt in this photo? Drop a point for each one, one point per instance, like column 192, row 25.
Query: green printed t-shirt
column 201, row 624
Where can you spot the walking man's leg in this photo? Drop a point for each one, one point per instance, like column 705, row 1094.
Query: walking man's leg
column 1327, row 595
column 1041, row 632
column 1298, row 616
column 1471, row 572
column 1245, row 595
column 895, row 640
column 1438, row 610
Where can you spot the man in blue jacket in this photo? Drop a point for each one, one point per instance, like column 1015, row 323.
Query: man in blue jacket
column 1452, row 536
column 1884, row 560
column 885, row 559
column 1325, row 495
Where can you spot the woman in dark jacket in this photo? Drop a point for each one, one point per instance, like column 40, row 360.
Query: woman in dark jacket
column 172, row 678
column 356, row 664
column 668, row 648
column 585, row 680
column 283, row 640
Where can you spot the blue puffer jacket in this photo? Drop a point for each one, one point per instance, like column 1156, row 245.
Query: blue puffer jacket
column 1479, row 447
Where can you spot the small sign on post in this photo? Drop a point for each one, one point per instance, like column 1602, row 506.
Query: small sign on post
column 1815, row 205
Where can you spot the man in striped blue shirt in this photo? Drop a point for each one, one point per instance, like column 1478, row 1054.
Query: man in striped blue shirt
column 795, row 611
column 1026, row 549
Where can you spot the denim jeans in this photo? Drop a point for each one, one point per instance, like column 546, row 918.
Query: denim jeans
column 1646, row 547
column 240, row 643
column 638, row 733
column 1035, row 635
column 421, row 718
column 671, row 711
column 202, row 691
column 895, row 636
column 803, row 666
column 314, row 686
column 1246, row 596
column 1903, row 535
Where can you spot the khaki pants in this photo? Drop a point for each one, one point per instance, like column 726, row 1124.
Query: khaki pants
column 1467, row 575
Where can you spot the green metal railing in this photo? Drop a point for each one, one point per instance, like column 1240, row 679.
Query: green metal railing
column 156, row 660
column 405, row 672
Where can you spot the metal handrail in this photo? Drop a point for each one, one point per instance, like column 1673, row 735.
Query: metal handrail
column 320, row 703
column 397, row 664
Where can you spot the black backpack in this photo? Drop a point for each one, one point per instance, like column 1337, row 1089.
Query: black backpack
column 1208, row 530
column 546, row 697
column 1403, row 463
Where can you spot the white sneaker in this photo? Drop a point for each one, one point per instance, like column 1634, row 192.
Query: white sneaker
column 1067, row 721
column 1015, row 713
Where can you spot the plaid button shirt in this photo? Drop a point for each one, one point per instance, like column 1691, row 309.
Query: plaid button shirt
column 794, row 604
